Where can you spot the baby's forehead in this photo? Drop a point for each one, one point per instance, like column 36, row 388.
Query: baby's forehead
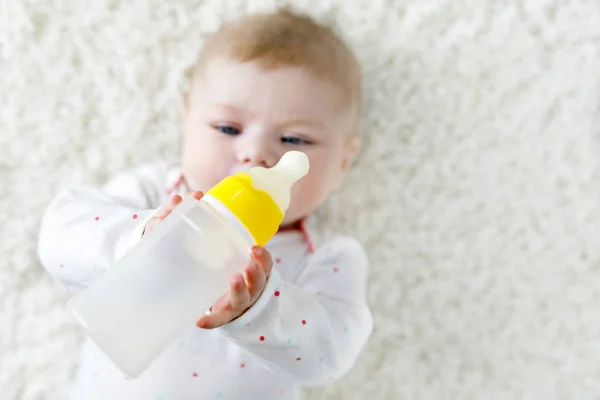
column 293, row 92
column 284, row 39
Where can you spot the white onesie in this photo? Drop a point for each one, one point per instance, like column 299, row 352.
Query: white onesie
column 306, row 328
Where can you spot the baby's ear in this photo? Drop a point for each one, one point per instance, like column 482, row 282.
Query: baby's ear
column 351, row 151
column 348, row 157
column 185, row 104
column 183, row 114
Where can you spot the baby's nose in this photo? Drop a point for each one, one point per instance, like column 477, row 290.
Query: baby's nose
column 258, row 155
column 257, row 162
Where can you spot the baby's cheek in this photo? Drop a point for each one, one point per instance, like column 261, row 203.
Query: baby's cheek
column 307, row 195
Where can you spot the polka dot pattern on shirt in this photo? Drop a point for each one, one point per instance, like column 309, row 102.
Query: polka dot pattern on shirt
column 296, row 323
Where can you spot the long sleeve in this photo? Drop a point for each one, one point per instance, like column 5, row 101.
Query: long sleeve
column 85, row 230
column 312, row 330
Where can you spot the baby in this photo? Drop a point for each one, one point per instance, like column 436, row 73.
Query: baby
column 297, row 317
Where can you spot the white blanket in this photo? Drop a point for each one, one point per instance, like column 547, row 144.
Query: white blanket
column 477, row 192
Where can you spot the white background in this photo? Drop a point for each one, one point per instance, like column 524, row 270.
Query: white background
column 477, row 192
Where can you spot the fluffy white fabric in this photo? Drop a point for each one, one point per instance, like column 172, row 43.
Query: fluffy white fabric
column 477, row 192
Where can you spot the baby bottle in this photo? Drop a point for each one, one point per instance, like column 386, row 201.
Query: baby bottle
column 179, row 270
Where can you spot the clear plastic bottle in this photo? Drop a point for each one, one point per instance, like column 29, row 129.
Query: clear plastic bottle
column 179, row 269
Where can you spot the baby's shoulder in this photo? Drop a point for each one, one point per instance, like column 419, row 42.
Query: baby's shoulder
column 158, row 171
column 340, row 249
column 151, row 174
column 149, row 181
column 293, row 262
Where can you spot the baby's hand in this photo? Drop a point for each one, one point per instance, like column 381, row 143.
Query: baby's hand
column 243, row 291
column 164, row 211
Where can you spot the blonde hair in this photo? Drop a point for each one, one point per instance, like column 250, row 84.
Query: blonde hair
column 284, row 38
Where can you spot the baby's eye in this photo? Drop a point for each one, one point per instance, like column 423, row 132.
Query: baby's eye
column 293, row 140
column 228, row 130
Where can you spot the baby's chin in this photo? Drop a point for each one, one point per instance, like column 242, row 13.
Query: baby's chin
column 291, row 217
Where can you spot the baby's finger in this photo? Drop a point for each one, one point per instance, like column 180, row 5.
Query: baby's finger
column 166, row 208
column 222, row 303
column 162, row 213
column 173, row 202
column 196, row 195
column 255, row 280
column 239, row 296
column 263, row 259
column 216, row 319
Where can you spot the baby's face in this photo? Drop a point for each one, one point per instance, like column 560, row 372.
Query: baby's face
column 239, row 116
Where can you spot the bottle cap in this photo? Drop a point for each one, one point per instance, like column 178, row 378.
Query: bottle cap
column 260, row 196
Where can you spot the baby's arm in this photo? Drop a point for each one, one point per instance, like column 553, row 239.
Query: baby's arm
column 313, row 330
column 85, row 230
